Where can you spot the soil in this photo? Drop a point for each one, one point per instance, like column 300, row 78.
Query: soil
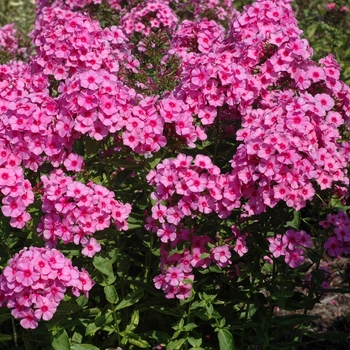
column 333, row 312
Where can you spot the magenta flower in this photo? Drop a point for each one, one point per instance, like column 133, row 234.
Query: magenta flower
column 221, row 255
column 91, row 247
column 33, row 287
column 174, row 276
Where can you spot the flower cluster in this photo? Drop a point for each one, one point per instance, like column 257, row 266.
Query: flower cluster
column 17, row 191
column 9, row 39
column 197, row 37
column 290, row 246
column 338, row 226
column 33, row 128
column 147, row 16
column 283, row 114
column 35, row 281
column 75, row 211
column 77, row 43
column 177, row 268
column 187, row 187
column 289, row 108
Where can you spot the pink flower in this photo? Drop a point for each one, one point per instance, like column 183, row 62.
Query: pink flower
column 174, row 276
column 73, row 162
column 199, row 76
column 277, row 248
column 167, row 233
column 33, row 288
column 91, row 247
column 13, row 206
column 45, row 309
column 28, row 319
column 221, row 255
column 90, row 80
column 294, row 258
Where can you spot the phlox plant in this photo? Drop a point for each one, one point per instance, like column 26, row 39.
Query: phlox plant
column 173, row 175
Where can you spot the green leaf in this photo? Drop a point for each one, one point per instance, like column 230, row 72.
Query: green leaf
column 130, row 299
column 60, row 340
column 5, row 337
column 189, row 326
column 104, row 265
column 83, row 347
column 176, row 344
column 225, row 339
column 295, row 223
column 136, row 340
column 135, row 319
column 111, row 294
column 204, row 256
column 311, row 29
column 159, row 336
column 169, row 311
column 100, row 321
column 196, row 343
column 77, row 337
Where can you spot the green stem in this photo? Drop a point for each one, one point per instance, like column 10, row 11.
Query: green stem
column 149, row 259
column 116, row 324
column 187, row 322
column 14, row 332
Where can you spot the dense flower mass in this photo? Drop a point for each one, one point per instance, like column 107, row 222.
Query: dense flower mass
column 9, row 39
column 75, row 211
column 338, row 226
column 253, row 123
column 35, row 282
column 290, row 246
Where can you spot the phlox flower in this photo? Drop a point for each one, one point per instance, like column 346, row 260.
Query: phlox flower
column 334, row 118
column 45, row 309
column 324, row 101
column 240, row 246
column 173, row 215
column 158, row 212
column 167, row 233
column 33, row 288
column 91, row 247
column 12, row 206
column 159, row 281
column 184, row 290
column 221, row 255
column 73, row 162
column 305, row 239
column 277, row 248
column 90, row 79
column 333, row 246
column 197, row 183
column 291, row 239
column 343, row 233
column 28, row 319
column 174, row 276
column 294, row 258
column 7, row 177
column 20, row 221
column 197, row 260
column 25, row 274
column 205, row 204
